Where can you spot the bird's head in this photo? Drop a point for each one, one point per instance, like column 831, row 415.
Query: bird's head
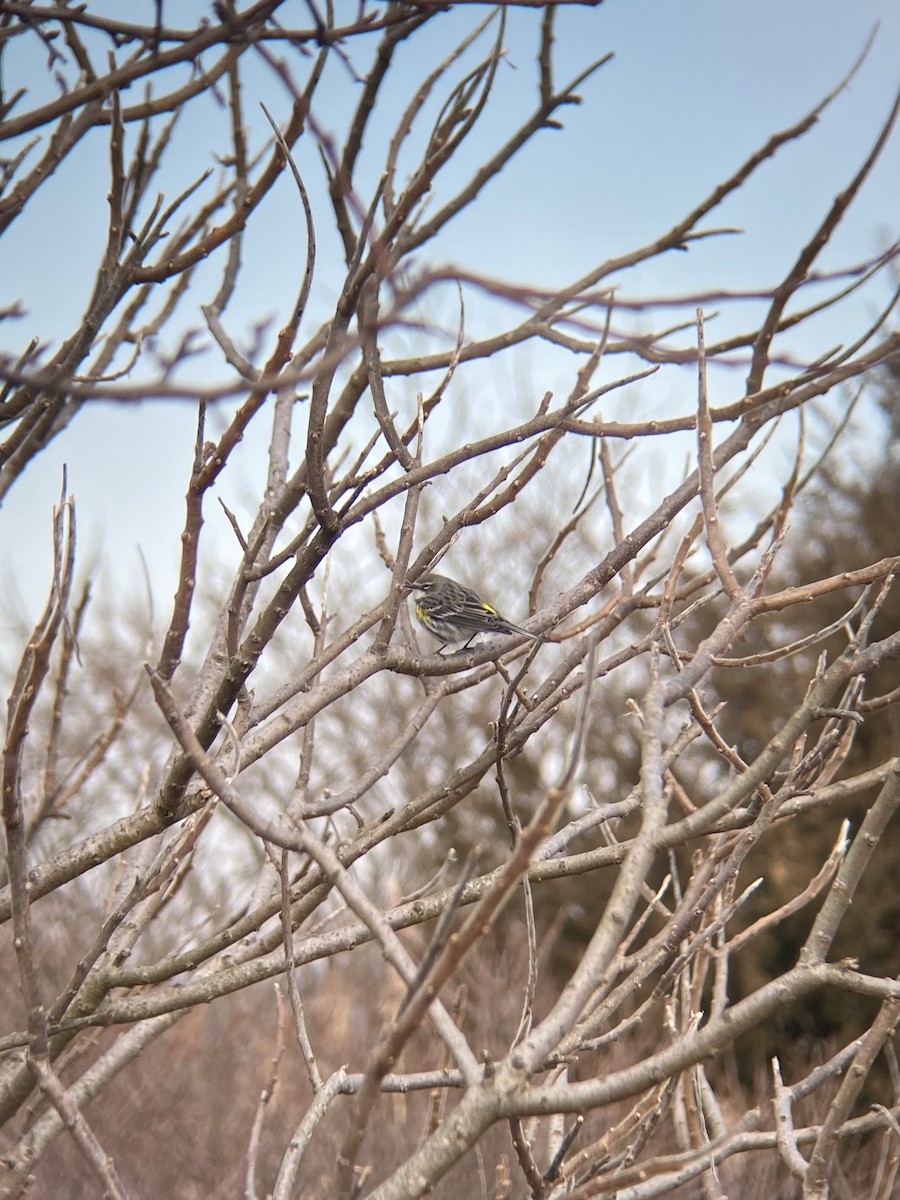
column 426, row 583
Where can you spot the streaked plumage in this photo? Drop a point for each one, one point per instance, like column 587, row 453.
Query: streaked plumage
column 454, row 614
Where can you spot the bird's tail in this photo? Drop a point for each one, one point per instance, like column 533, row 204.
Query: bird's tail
column 534, row 637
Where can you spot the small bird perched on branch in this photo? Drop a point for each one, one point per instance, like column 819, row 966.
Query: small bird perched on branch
column 456, row 615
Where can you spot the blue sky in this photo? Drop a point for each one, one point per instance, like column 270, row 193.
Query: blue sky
column 694, row 88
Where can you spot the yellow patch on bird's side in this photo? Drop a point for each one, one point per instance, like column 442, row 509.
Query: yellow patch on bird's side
column 422, row 615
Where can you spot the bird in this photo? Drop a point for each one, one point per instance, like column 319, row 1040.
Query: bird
column 456, row 615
